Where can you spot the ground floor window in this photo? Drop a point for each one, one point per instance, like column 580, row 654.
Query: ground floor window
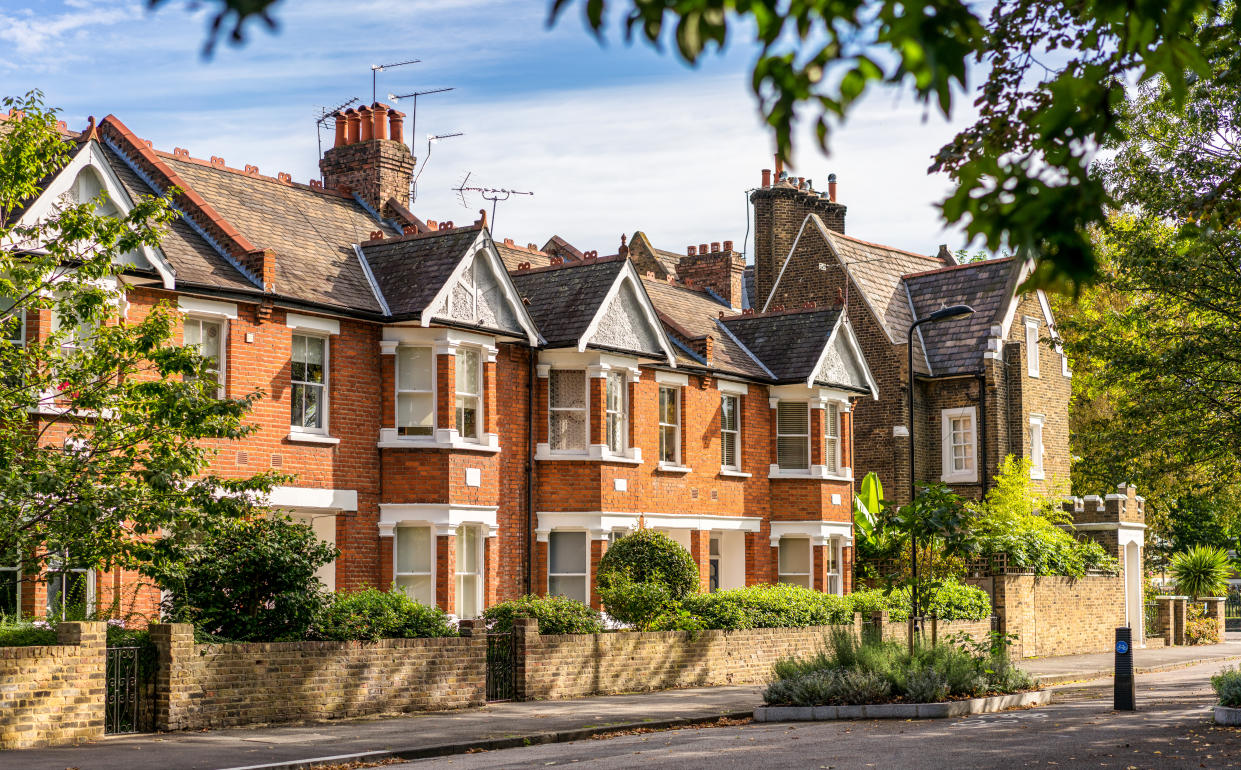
column 415, row 559
column 831, row 559
column 713, row 580
column 567, row 564
column 70, row 590
column 10, row 582
column 795, row 561
column 469, row 573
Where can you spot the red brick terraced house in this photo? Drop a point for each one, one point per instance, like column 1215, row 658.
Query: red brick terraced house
column 993, row 384
column 471, row 420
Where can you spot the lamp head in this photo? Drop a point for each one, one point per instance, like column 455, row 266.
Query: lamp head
column 952, row 311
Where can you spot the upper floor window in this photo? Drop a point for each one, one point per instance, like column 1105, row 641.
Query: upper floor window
column 960, row 445
column 309, row 408
column 794, row 561
column 793, row 435
column 566, row 414
column 1036, row 446
column 1032, row 348
column 670, row 425
column 415, row 392
column 469, row 392
column 12, row 327
column 730, row 432
column 831, row 455
column 10, row 585
column 415, row 562
column 208, row 337
column 617, row 411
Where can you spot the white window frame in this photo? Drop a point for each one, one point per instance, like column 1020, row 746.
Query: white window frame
column 735, row 465
column 1037, row 448
column 20, row 317
column 616, row 421
column 809, row 458
column 585, row 576
column 222, row 322
column 949, row 474
column 1032, row 351
column 585, row 409
column 430, row 561
column 715, row 561
column 56, row 567
column 413, row 391
column 459, row 394
column 831, row 567
column 463, row 532
column 676, row 450
column 323, row 429
column 780, row 571
column 831, row 437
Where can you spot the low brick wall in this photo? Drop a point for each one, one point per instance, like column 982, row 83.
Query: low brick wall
column 53, row 696
column 219, row 685
column 572, row 666
column 1057, row 615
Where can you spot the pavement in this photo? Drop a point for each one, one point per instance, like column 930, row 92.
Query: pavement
column 502, row 725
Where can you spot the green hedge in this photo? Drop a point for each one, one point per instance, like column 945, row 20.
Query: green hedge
column 372, row 614
column 556, row 615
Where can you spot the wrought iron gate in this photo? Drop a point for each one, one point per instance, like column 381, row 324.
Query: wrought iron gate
column 501, row 666
column 122, row 690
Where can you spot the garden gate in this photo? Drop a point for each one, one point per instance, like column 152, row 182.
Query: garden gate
column 122, row 690
column 501, row 666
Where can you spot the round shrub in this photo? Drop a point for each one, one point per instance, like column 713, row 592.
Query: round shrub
column 556, row 615
column 648, row 556
column 372, row 614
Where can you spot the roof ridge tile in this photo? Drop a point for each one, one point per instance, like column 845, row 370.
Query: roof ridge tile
column 950, row 268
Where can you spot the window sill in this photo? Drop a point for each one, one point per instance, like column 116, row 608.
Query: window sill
column 311, row 438
column 819, row 472
column 544, row 453
column 735, row 474
column 672, row 468
column 959, row 479
column 443, row 439
column 1037, row 475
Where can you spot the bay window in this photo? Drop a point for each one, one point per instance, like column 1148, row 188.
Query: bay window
column 469, row 390
column 415, row 561
column 309, row 381
column 793, row 435
column 617, row 410
column 730, row 432
column 568, row 557
column 415, row 391
column 831, row 559
column 670, row 425
column 567, row 412
column 794, row 561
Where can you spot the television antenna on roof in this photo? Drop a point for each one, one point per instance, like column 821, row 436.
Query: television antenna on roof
column 413, row 187
column 493, row 194
column 378, row 68
column 324, row 114
column 413, row 117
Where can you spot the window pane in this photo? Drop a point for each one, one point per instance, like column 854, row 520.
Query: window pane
column 668, row 444
column 193, row 332
column 668, row 412
column 467, row 549
column 568, row 389
column 467, row 596
column 728, row 450
column 414, row 367
column 569, row 587
column 794, row 555
column 308, row 406
column 467, row 371
column 568, row 430
column 8, row 592
column 467, row 416
column 728, row 413
column 616, row 437
column 420, row 588
column 792, row 452
column 793, row 417
column 796, row 580
column 413, row 549
column 566, row 552
column 415, row 414
column 309, row 353
column 298, row 416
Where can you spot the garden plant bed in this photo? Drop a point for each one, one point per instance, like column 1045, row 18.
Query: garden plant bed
column 955, row 708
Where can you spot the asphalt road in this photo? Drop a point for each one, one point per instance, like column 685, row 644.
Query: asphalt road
column 1173, row 728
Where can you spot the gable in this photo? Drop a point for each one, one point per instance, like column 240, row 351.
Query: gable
column 843, row 363
column 622, row 324
column 480, row 293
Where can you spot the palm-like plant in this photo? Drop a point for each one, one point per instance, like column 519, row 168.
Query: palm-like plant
column 1201, row 571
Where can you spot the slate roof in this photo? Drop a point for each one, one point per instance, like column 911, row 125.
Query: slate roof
column 790, row 342
column 697, row 313
column 956, row 346
column 512, row 256
column 411, row 270
column 563, row 299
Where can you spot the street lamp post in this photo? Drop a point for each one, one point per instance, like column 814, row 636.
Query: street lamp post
column 943, row 314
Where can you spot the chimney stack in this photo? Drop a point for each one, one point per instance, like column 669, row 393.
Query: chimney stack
column 779, row 212
column 718, row 270
column 369, row 157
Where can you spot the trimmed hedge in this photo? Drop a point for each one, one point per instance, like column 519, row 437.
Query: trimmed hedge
column 556, row 615
column 372, row 614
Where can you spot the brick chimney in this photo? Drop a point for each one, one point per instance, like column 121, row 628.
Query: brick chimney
column 780, row 207
column 719, row 269
column 369, row 156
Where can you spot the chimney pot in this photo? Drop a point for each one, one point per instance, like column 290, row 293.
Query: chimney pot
column 379, row 119
column 365, row 126
column 691, row 251
column 396, row 125
column 342, row 121
column 715, row 247
column 766, row 177
column 353, row 125
column 728, row 245
column 531, row 247
column 702, row 249
column 831, row 187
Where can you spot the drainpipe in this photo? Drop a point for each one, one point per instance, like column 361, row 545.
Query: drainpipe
column 982, row 430
column 531, row 401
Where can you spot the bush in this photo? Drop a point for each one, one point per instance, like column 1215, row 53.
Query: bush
column 768, row 606
column 556, row 615
column 636, row 603
column 643, row 574
column 1227, row 685
column 1200, row 629
column 251, row 580
column 1201, row 571
column 949, row 600
column 372, row 614
column 15, row 632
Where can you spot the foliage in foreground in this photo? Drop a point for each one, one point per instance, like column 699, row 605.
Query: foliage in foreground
column 1201, row 571
column 643, row 575
column 371, row 614
column 850, row 671
column 1227, row 685
column 556, row 615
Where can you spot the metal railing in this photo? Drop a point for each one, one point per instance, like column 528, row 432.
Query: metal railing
column 122, row 690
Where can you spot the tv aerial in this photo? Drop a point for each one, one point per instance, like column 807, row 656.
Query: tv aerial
column 378, row 68
column 324, row 114
column 493, row 194
column 413, row 117
column 431, row 140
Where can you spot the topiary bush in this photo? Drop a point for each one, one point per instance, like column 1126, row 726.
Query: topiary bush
column 372, row 614
column 556, row 615
column 643, row 575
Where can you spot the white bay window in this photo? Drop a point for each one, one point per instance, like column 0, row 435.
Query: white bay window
column 415, row 391
column 415, row 563
column 568, row 562
column 793, row 435
column 794, row 559
column 567, row 410
column 469, row 380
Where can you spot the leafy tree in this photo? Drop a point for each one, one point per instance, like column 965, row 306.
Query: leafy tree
column 254, row 580
column 106, row 427
column 1201, row 571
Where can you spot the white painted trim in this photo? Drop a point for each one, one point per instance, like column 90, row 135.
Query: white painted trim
column 702, row 521
column 207, row 307
column 314, row 497
column 599, row 524
column 851, row 341
column 629, row 274
column 445, row 518
column 735, row 473
column 312, row 324
column 1036, row 458
column 819, row 532
column 442, row 438
column 672, row 468
column 945, row 445
column 820, row 472
column 311, row 438
column 1033, row 364
column 484, row 244
column 676, row 379
column 732, row 388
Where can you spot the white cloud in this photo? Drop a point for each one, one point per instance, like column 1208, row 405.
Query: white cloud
column 34, row 34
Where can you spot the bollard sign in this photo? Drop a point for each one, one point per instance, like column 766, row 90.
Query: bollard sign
column 1124, row 694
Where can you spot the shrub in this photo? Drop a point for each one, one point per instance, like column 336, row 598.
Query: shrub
column 250, row 580
column 1199, row 628
column 1227, row 685
column 556, row 615
column 949, row 600
column 643, row 574
column 769, row 606
column 1201, row 571
column 372, row 614
column 637, row 603
column 15, row 632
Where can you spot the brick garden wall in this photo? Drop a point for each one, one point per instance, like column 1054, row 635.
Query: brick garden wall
column 1057, row 615
column 218, row 685
column 53, row 696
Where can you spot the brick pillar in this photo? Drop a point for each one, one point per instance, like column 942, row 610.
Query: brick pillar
column 491, row 403
column 387, row 570
column 525, row 642
column 446, row 573
column 597, row 408
column 597, row 549
column 538, row 577
column 476, row 632
column 1163, row 618
column 700, row 549
column 817, row 434
column 773, row 568
column 846, row 438
column 818, row 567
column 387, row 395
column 445, row 391
column 1215, row 611
column 846, row 569
column 1180, row 605
column 92, row 638
column 878, row 620
column 491, row 571
column 174, row 646
column 631, row 423
column 541, row 396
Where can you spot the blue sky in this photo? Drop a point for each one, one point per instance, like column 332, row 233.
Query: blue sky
column 610, row 138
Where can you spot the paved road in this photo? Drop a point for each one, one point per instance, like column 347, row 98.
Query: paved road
column 1172, row 729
